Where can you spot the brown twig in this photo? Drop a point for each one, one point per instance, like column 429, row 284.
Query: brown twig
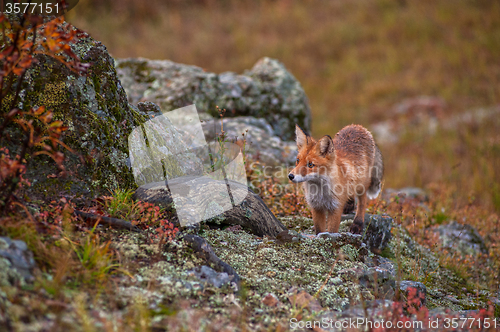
column 114, row 222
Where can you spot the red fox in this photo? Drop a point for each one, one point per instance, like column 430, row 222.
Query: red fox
column 334, row 171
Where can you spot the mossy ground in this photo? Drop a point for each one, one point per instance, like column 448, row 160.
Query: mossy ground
column 151, row 287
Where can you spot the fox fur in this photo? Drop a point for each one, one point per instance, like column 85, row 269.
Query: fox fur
column 335, row 171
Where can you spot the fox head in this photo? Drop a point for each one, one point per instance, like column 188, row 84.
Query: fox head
column 314, row 158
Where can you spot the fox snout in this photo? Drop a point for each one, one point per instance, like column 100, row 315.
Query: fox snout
column 296, row 178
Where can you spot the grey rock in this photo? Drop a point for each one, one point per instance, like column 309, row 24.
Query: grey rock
column 426, row 116
column 421, row 290
column 205, row 251
column 99, row 119
column 475, row 116
column 377, row 230
column 261, row 141
column 208, row 275
column 343, row 238
column 350, row 245
column 422, row 113
column 335, row 237
column 407, row 192
column 149, row 109
column 463, row 239
column 19, row 258
column 167, row 149
column 351, row 273
column 335, row 321
column 382, row 263
column 417, row 106
column 266, row 91
column 380, row 280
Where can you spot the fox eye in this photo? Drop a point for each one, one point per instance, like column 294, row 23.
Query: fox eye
column 297, row 161
column 310, row 165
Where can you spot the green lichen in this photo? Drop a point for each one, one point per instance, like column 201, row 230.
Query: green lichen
column 172, row 167
column 350, row 252
column 267, row 267
column 8, row 275
column 98, row 116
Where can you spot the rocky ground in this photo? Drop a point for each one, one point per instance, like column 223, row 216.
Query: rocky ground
column 272, row 281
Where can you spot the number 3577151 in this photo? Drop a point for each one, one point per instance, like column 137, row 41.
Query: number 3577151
column 31, row 8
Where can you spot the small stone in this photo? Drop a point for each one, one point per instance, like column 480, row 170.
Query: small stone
column 208, row 275
column 303, row 299
column 406, row 193
column 20, row 258
column 421, row 290
column 270, row 300
column 380, row 280
column 330, row 236
column 377, row 231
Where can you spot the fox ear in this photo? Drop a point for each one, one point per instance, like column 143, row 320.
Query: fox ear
column 301, row 137
column 325, row 146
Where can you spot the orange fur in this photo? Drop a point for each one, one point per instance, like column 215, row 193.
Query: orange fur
column 334, row 170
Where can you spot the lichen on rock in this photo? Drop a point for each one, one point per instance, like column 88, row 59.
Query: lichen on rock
column 267, row 91
column 99, row 118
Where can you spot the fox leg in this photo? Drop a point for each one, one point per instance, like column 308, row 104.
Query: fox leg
column 357, row 225
column 319, row 220
column 349, row 206
column 333, row 221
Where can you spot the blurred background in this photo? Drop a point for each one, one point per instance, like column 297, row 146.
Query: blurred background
column 422, row 75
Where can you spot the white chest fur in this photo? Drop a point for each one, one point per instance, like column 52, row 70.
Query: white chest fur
column 319, row 195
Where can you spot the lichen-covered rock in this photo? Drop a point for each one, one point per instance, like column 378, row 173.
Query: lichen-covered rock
column 208, row 275
column 382, row 263
column 268, row 267
column 407, row 192
column 380, row 280
column 418, row 263
column 160, row 148
column 377, row 230
column 16, row 262
column 99, row 119
column 354, row 317
column 262, row 143
column 266, row 91
column 463, row 239
column 419, row 288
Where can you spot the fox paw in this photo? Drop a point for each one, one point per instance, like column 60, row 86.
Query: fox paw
column 356, row 227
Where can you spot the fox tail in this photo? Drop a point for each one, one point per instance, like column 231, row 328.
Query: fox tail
column 376, row 174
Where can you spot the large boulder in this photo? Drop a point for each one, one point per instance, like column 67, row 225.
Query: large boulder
column 262, row 143
column 99, row 119
column 461, row 239
column 266, row 91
